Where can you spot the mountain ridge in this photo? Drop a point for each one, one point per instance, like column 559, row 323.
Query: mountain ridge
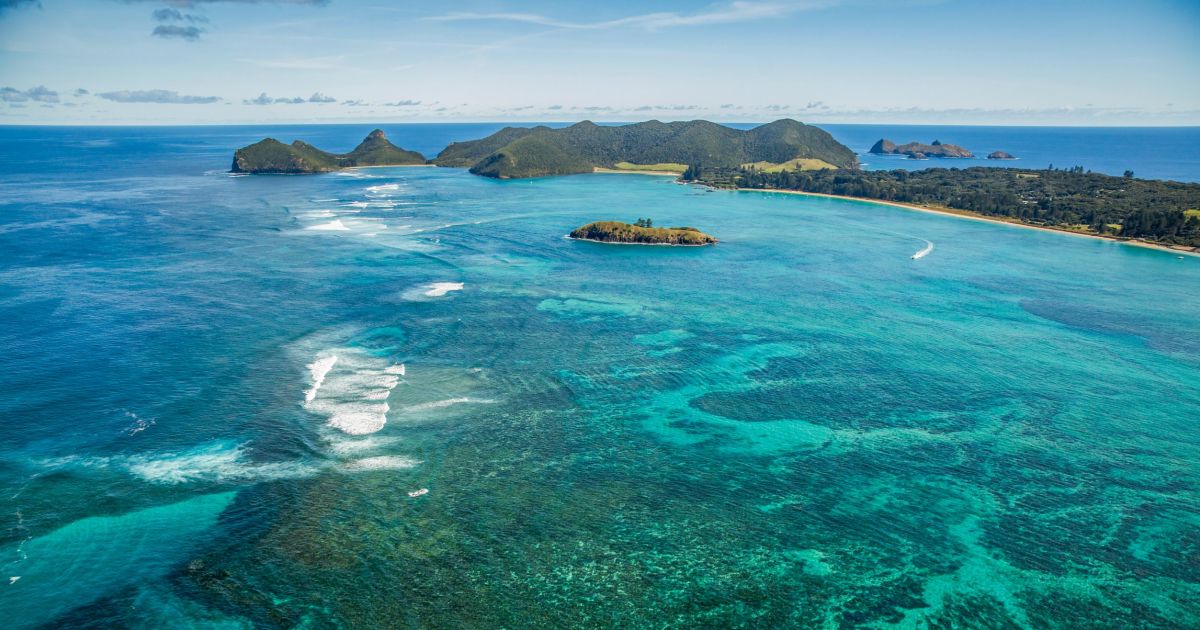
column 515, row 152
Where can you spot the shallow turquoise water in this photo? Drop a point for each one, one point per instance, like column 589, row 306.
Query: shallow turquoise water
column 801, row 426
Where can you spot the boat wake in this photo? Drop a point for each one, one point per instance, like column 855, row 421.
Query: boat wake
column 924, row 252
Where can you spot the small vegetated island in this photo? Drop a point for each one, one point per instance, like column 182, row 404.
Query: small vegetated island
column 642, row 232
column 270, row 156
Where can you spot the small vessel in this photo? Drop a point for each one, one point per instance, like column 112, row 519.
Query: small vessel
column 924, row 252
column 416, row 493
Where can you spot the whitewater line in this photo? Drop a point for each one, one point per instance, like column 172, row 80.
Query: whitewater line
column 924, row 252
column 318, row 369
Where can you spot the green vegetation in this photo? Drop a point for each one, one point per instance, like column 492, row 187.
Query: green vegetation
column 582, row 147
column 467, row 154
column 272, row 156
column 798, row 164
column 664, row 167
column 642, row 233
column 1154, row 210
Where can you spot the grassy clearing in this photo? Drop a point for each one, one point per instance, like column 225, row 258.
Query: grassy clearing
column 798, row 164
column 664, row 167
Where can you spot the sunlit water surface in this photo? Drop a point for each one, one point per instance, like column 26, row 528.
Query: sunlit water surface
column 220, row 392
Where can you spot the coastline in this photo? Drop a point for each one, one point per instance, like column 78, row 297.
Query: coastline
column 592, row 240
column 964, row 214
column 355, row 168
column 598, row 169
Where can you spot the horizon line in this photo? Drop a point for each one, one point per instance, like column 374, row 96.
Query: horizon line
column 596, row 121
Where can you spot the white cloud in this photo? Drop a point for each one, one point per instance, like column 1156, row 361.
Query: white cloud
column 156, row 96
column 740, row 11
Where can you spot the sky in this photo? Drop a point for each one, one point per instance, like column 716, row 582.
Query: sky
column 1045, row 62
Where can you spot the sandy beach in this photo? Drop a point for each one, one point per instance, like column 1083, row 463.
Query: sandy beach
column 963, row 214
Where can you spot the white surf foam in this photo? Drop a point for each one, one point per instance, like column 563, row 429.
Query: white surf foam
column 924, row 252
column 381, row 462
column 438, row 289
column 354, row 391
column 212, row 463
column 318, row 369
column 346, row 446
column 383, row 188
column 439, row 404
column 334, row 225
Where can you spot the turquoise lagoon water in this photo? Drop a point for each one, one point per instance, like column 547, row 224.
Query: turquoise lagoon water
column 206, row 423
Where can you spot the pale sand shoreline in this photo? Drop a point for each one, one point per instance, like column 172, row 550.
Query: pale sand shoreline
column 355, row 168
column 976, row 217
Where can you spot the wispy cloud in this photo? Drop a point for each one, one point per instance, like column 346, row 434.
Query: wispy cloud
column 263, row 99
column 40, row 94
column 157, row 96
column 175, row 15
column 404, row 103
column 175, row 24
column 176, row 31
column 740, row 11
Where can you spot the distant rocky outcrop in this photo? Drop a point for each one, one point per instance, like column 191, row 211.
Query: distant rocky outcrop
column 272, row 156
column 918, row 151
column 1000, row 155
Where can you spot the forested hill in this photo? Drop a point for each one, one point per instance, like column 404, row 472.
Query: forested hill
column 272, row 156
column 531, row 152
column 1161, row 211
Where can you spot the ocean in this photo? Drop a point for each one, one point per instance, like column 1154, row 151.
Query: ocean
column 400, row 397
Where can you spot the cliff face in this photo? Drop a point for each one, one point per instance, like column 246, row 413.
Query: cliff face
column 272, row 156
column 911, row 149
column 884, row 146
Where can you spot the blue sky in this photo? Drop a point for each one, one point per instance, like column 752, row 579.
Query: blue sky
column 1097, row 62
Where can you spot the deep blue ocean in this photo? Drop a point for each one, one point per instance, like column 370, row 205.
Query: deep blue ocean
column 399, row 397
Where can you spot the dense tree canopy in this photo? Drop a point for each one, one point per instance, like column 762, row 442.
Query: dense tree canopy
column 1121, row 206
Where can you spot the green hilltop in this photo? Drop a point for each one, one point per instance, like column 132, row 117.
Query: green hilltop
column 531, row 152
column 641, row 233
column 272, row 156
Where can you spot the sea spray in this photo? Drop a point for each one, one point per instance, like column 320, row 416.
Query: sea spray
column 924, row 252
column 353, row 392
column 318, row 369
